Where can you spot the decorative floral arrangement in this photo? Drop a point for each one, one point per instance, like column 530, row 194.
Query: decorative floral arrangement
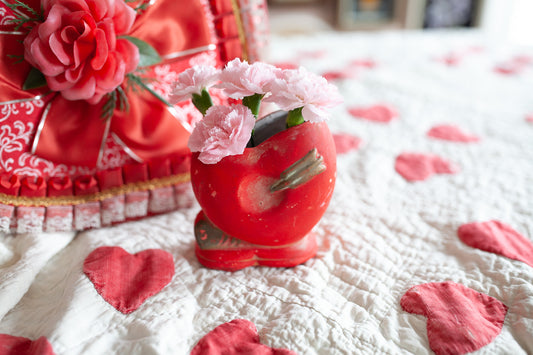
column 81, row 49
column 87, row 60
column 228, row 130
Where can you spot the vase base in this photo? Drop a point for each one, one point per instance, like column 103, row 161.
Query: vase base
column 217, row 250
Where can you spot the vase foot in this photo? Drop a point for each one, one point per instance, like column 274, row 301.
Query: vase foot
column 217, row 250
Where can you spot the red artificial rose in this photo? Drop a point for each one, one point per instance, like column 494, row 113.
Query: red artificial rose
column 77, row 49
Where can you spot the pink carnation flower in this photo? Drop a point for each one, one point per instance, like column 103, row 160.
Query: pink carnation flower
column 193, row 81
column 300, row 88
column 240, row 79
column 225, row 130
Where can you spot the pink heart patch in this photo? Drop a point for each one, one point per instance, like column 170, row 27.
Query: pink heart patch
column 418, row 166
column 450, row 59
column 510, row 68
column 459, row 320
column 286, row 65
column 236, row 337
column 376, row 113
column 363, row 63
column 339, row 75
column 345, row 143
column 11, row 345
column 124, row 280
column 451, row 133
column 498, row 238
column 529, row 118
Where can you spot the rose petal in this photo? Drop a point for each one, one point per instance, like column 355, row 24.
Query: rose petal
column 99, row 9
column 59, row 50
column 123, row 18
column 107, row 26
column 74, row 74
column 53, row 22
column 69, row 34
column 101, row 51
column 129, row 53
column 82, row 90
column 44, row 59
column 58, row 82
column 83, row 47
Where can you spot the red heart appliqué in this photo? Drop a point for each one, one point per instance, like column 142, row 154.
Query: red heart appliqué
column 11, row 345
column 377, row 113
column 236, row 337
column 345, row 143
column 459, row 320
column 417, row 166
column 124, row 280
column 498, row 238
column 451, row 133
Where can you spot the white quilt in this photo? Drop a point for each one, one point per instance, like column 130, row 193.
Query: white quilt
column 381, row 235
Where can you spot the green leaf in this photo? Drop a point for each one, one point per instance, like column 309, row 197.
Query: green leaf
column 34, row 80
column 147, row 54
column 202, row 101
column 253, row 102
column 295, row 117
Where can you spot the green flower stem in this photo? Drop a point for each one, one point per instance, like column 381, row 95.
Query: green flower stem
column 295, row 117
column 253, row 102
column 137, row 80
column 202, row 101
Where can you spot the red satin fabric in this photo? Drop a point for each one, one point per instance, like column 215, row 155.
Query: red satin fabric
column 12, row 74
column 172, row 26
column 149, row 129
column 74, row 130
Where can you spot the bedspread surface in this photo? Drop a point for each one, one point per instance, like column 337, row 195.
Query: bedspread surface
column 431, row 218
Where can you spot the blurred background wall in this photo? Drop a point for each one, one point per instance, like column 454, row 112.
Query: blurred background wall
column 506, row 20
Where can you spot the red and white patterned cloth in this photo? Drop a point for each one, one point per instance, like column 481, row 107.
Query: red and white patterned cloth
column 426, row 246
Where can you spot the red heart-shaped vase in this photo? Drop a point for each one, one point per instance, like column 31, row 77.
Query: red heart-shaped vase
column 418, row 166
column 235, row 338
column 11, row 345
column 459, row 320
column 236, row 193
column 124, row 280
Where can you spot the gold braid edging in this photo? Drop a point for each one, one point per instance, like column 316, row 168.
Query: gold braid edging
column 98, row 196
column 240, row 28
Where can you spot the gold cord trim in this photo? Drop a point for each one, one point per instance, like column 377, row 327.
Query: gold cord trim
column 99, row 196
column 240, row 28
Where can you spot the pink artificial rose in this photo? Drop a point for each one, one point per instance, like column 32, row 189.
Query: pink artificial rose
column 77, row 49
column 300, row 88
column 193, row 81
column 225, row 130
column 240, row 79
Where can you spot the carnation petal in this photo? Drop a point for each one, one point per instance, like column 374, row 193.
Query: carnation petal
column 228, row 130
column 193, row 81
column 314, row 114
